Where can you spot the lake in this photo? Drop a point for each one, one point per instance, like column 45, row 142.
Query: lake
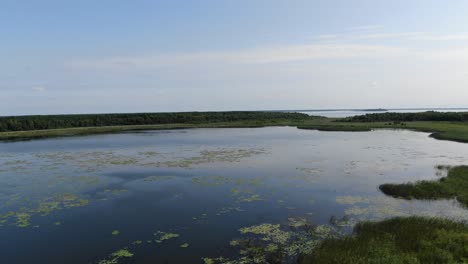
column 178, row 196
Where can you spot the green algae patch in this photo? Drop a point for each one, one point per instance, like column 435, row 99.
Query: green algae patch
column 137, row 242
column 184, row 245
column 23, row 219
column 208, row 261
column 227, row 210
column 163, row 236
column 298, row 222
column 158, row 178
column 398, row 240
column 115, row 232
column 351, row 200
column 210, row 156
column 251, row 198
column 44, row 207
column 275, row 243
column 116, row 191
column 115, row 257
column 455, row 185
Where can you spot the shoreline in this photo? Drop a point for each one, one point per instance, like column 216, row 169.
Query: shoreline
column 440, row 130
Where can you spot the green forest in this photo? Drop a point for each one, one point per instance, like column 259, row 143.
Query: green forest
column 408, row 117
column 40, row 122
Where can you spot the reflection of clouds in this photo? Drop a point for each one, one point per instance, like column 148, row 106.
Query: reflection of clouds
column 360, row 208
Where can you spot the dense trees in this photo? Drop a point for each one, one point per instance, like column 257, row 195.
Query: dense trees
column 38, row 122
column 407, row 117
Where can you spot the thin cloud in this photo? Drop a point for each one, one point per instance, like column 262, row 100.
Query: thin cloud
column 366, row 28
column 278, row 54
column 38, row 88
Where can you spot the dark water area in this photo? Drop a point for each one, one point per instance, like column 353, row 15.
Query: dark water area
column 183, row 195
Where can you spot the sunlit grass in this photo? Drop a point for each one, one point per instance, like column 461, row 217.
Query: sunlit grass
column 398, row 240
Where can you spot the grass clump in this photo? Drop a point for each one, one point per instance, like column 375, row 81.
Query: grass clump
column 455, row 185
column 398, row 240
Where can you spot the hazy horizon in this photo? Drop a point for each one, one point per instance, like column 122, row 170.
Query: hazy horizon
column 154, row 56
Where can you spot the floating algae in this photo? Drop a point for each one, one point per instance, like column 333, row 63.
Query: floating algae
column 163, row 236
column 251, row 198
column 298, row 222
column 113, row 191
column 273, row 244
column 210, row 180
column 44, row 207
column 226, row 210
column 116, row 256
column 23, row 219
column 115, row 232
column 210, row 156
column 352, row 199
column 184, row 245
column 157, row 178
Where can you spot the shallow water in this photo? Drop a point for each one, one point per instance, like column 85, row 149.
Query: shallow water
column 182, row 195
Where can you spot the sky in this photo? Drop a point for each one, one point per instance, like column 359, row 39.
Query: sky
column 88, row 56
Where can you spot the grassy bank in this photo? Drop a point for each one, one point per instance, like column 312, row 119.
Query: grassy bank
column 71, row 125
column 455, row 185
column 47, row 133
column 399, row 240
column 453, row 131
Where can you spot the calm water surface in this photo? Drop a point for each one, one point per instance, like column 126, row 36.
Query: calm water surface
column 183, row 195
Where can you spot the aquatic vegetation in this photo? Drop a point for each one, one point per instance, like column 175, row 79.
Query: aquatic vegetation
column 157, row 178
column 298, row 222
column 355, row 210
column 208, row 261
column 116, row 256
column 226, row 210
column 251, row 198
column 310, row 170
column 148, row 153
column 210, row 180
column 114, row 191
column 137, row 242
column 273, row 244
column 23, row 219
column 352, row 200
column 235, row 191
column 89, row 180
column 58, row 223
column 115, row 232
column 163, row 236
column 184, row 245
column 210, row 156
column 44, row 207
column 455, row 185
column 398, row 240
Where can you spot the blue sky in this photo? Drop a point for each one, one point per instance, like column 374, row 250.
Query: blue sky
column 132, row 56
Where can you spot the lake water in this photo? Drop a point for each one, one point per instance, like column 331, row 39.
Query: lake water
column 182, row 195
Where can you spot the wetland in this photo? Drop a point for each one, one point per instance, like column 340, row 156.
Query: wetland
column 224, row 195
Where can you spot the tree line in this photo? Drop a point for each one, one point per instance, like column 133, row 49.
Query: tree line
column 39, row 122
column 407, row 117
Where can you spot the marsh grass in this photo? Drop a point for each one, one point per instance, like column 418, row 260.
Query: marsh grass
column 455, row 185
column 398, row 240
